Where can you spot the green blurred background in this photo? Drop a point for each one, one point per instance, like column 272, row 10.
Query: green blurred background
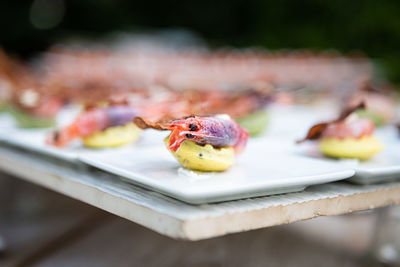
column 372, row 27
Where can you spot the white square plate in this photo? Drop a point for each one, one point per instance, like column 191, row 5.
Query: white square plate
column 262, row 169
column 385, row 166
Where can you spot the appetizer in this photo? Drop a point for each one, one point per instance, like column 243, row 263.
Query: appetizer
column 202, row 143
column 255, row 123
column 100, row 127
column 34, row 110
column 346, row 137
column 381, row 107
column 23, row 95
column 249, row 108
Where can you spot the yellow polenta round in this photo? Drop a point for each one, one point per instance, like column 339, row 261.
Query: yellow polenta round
column 113, row 136
column 203, row 158
column 362, row 148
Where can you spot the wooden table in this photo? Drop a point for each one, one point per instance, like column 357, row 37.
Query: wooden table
column 176, row 219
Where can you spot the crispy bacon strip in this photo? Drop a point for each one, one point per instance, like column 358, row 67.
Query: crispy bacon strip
column 146, row 124
column 162, row 124
column 316, row 131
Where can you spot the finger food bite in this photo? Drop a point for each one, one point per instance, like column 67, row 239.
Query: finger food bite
column 100, row 127
column 202, row 143
column 381, row 107
column 250, row 111
column 32, row 110
column 346, row 137
column 254, row 123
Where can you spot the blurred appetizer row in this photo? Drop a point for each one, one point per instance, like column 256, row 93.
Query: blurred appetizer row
column 210, row 101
